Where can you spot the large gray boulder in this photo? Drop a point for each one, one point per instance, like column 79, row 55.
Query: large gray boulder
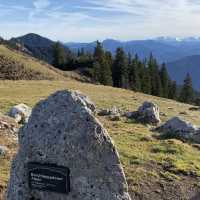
column 179, row 128
column 20, row 113
column 148, row 113
column 63, row 131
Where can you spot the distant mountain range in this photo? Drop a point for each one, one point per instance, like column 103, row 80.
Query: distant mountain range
column 179, row 68
column 181, row 55
column 164, row 49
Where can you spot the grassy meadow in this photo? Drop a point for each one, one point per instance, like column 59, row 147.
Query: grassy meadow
column 155, row 169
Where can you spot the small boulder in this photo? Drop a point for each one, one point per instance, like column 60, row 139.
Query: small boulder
column 20, row 113
column 148, row 113
column 115, row 111
column 180, row 129
column 179, row 125
column 3, row 150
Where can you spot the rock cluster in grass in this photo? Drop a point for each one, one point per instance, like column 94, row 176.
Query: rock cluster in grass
column 113, row 113
column 180, row 129
column 62, row 130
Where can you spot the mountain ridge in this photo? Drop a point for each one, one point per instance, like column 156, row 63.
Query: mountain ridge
column 165, row 49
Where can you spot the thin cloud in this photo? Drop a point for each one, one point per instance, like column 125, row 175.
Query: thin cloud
column 87, row 20
column 41, row 4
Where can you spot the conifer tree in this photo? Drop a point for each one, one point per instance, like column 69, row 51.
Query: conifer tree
column 165, row 81
column 151, row 69
column 146, row 82
column 96, row 71
column 59, row 56
column 98, row 52
column 156, row 87
column 141, row 67
column 159, row 89
column 134, row 78
column 172, row 90
column 109, row 58
column 120, row 69
column 187, row 91
column 105, row 74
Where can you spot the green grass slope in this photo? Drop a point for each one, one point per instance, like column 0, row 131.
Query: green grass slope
column 155, row 169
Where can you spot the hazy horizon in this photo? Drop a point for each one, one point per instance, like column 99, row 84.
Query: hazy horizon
column 119, row 40
column 90, row 20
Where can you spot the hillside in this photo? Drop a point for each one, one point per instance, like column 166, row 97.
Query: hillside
column 156, row 169
column 40, row 47
column 15, row 65
column 179, row 68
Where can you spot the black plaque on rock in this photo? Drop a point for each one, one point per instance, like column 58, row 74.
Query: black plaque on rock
column 49, row 177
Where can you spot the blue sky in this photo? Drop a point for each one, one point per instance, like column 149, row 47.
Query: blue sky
column 89, row 20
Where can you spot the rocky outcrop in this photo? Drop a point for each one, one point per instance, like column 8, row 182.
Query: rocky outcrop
column 62, row 131
column 180, row 129
column 148, row 113
column 20, row 113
